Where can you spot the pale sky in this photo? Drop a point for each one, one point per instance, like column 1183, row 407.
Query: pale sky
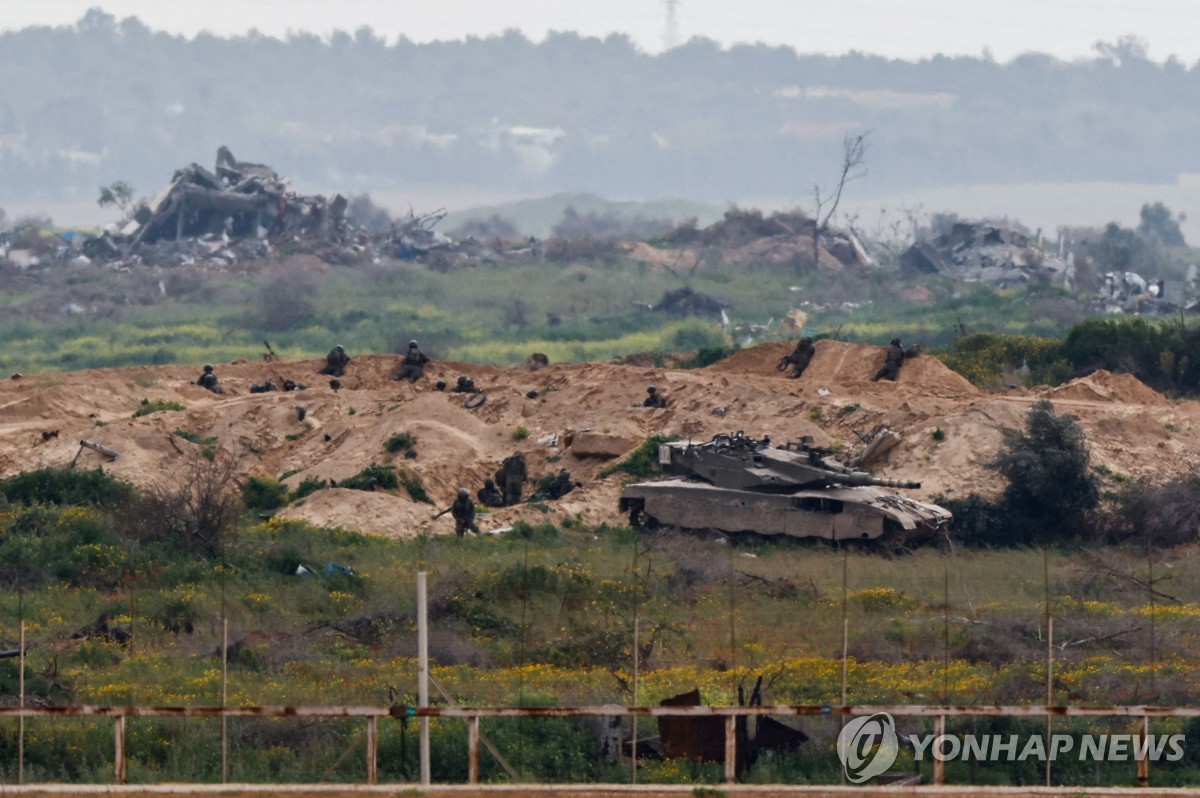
column 908, row 29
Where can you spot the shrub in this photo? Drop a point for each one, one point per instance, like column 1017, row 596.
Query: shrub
column 198, row 514
column 65, row 486
column 383, row 475
column 264, row 493
column 707, row 355
column 1163, row 515
column 520, row 433
column 401, row 442
column 412, row 484
column 1051, row 488
column 308, row 485
column 147, row 407
column 642, row 462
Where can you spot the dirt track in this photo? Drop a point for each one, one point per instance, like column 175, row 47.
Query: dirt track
column 1132, row 430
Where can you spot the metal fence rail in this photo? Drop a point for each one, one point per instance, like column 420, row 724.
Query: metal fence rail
column 473, row 716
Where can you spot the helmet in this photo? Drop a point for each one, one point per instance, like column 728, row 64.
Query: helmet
column 463, row 492
column 490, row 484
column 412, row 344
column 339, row 348
column 651, row 389
column 208, row 367
column 440, row 385
column 895, row 342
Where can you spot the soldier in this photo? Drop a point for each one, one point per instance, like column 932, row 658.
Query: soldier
column 654, row 398
column 336, row 362
column 209, row 380
column 891, row 363
column 561, row 485
column 488, row 496
column 413, row 367
column 465, row 385
column 800, row 357
column 463, row 511
column 511, row 478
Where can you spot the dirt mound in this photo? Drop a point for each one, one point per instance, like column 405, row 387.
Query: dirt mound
column 839, row 363
column 1130, row 428
column 1104, row 386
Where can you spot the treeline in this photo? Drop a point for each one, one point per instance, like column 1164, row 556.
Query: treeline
column 1165, row 355
column 109, row 99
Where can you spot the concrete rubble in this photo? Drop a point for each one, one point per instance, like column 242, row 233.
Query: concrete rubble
column 982, row 253
column 241, row 211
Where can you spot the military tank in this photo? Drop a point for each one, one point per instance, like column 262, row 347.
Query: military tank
column 735, row 483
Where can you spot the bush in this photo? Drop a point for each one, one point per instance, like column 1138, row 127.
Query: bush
column 707, row 355
column 198, row 514
column 264, row 494
column 1051, row 488
column 1162, row 515
column 384, row 476
column 66, row 486
column 147, row 407
column 309, row 485
column 402, row 442
column 642, row 462
column 520, row 433
column 412, row 484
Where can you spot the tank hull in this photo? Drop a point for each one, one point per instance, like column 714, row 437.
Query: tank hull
column 832, row 513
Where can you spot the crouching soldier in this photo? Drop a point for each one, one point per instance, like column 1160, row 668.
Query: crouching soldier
column 336, row 362
column 800, row 357
column 413, row 367
column 488, row 496
column 209, row 380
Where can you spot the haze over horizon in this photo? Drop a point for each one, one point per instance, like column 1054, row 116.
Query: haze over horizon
column 1000, row 29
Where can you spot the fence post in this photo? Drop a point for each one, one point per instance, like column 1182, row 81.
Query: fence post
column 473, row 749
column 119, row 750
column 1143, row 763
column 939, row 767
column 730, row 749
column 372, row 748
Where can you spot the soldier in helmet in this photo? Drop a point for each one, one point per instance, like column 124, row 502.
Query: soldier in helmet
column 892, row 363
column 209, row 380
column 654, row 398
column 463, row 511
column 489, row 496
column 336, row 362
column 800, row 357
column 511, row 478
column 413, row 367
column 561, row 485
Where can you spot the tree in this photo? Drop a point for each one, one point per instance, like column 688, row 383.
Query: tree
column 1158, row 223
column 1051, row 489
column 119, row 193
column 854, row 157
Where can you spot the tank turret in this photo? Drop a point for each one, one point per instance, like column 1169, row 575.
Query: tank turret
column 736, row 483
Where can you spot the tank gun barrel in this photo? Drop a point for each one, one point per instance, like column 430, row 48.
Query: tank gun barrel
column 861, row 478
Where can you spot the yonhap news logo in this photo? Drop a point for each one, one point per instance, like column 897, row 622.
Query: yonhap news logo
column 867, row 746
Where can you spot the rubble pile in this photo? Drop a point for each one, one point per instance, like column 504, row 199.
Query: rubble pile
column 241, row 211
column 982, row 253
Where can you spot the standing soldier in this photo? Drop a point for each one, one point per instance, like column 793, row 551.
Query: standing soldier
column 514, row 475
column 891, row 364
column 336, row 362
column 800, row 357
column 463, row 511
column 413, row 367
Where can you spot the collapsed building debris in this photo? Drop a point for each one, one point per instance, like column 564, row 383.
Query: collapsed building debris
column 243, row 211
column 1129, row 292
column 983, row 253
